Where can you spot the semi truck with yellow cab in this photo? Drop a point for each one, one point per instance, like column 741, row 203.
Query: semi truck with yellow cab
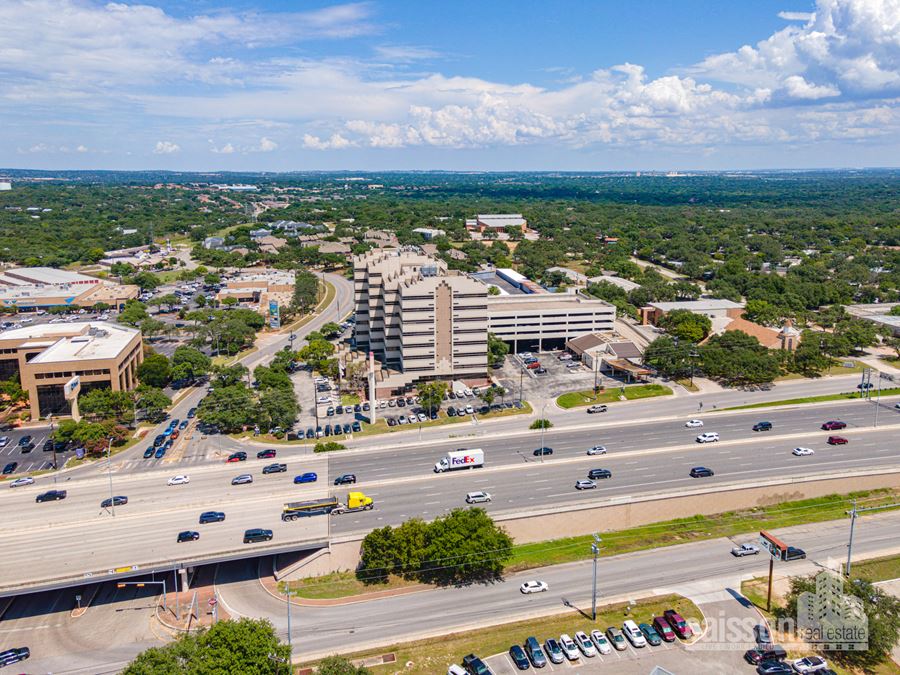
column 356, row 501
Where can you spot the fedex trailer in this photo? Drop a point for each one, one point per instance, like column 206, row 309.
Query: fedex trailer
column 460, row 459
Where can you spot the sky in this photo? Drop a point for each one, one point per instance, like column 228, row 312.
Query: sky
column 279, row 85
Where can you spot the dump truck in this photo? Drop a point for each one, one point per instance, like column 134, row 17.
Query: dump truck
column 356, row 501
column 460, row 459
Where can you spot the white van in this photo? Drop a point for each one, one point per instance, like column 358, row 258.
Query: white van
column 708, row 437
column 633, row 633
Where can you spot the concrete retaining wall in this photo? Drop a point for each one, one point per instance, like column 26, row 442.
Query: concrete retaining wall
column 631, row 511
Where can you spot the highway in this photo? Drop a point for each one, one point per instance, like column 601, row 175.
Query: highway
column 75, row 536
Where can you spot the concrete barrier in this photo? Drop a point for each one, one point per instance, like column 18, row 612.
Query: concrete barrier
column 617, row 513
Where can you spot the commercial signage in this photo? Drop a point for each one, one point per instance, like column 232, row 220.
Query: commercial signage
column 72, row 387
column 274, row 314
column 462, row 461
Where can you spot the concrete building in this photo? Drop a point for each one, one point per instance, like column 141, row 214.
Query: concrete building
column 260, row 288
column 32, row 288
column 47, row 356
column 609, row 353
column 877, row 313
column 420, row 320
column 712, row 308
column 429, row 233
column 496, row 222
column 529, row 322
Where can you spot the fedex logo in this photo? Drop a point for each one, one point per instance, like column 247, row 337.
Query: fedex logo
column 460, row 461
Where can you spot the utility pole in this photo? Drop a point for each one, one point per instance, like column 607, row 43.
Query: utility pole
column 112, row 501
column 771, row 573
column 287, row 597
column 595, row 549
column 521, row 380
column 543, row 426
column 853, row 514
column 877, row 399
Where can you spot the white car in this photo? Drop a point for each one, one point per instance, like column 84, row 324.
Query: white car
column 324, row 399
column 179, row 480
column 897, row 406
column 802, row 452
column 597, row 450
column 634, row 634
column 708, row 437
column 24, row 480
column 585, row 645
column 468, row 392
column 601, row 642
column 534, row 587
column 4, row 441
column 478, row 497
column 470, row 410
column 693, row 424
column 456, row 670
column 422, row 417
column 569, row 648
column 810, row 664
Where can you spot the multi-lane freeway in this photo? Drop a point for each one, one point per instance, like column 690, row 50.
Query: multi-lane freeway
column 75, row 536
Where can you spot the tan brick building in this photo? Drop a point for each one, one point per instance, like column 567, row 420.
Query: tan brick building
column 46, row 356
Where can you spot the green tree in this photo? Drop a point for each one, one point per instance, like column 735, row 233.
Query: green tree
column 762, row 312
column 306, row 291
column 133, row 313
column 12, row 390
column 189, row 363
column 809, row 359
column 146, row 280
column 152, row 402
column 330, row 330
column 431, row 394
column 497, row 349
column 735, row 359
column 277, row 408
column 155, row 370
column 104, row 403
column 540, row 424
column 245, row 646
column 316, row 352
column 894, row 311
column 464, row 546
column 151, row 327
column 339, row 665
column 686, row 325
column 377, row 558
column 211, row 279
column 858, row 333
column 230, row 301
column 270, row 378
column 227, row 376
column 229, row 408
column 669, row 357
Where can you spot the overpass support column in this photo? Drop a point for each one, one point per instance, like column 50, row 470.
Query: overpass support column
column 184, row 579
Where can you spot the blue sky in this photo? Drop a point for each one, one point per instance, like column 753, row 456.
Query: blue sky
column 497, row 85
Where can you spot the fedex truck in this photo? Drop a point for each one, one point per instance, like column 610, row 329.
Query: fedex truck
column 460, row 459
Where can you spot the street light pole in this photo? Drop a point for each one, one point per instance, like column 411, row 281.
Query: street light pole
column 595, row 549
column 543, row 426
column 112, row 501
column 850, row 543
column 287, row 597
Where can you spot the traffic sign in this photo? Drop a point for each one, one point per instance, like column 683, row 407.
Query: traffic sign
column 213, row 602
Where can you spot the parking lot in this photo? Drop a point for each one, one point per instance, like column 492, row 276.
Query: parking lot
column 32, row 457
column 546, row 386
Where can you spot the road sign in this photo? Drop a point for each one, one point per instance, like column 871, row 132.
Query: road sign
column 77, row 598
column 213, row 602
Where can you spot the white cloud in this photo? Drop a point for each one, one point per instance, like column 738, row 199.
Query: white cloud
column 796, row 16
column 166, row 148
column 336, row 142
column 404, row 53
column 797, row 87
column 266, row 145
column 81, row 148
column 226, row 149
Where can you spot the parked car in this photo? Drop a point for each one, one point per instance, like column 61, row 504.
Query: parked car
column 475, row 666
column 693, row 424
column 616, row 638
column 534, row 652
column 569, row 647
column 678, row 624
column 187, row 535
column 762, row 634
column 585, row 484
column 834, row 425
column 663, row 628
column 597, row 450
column 701, row 472
column 633, row 633
column 773, row 668
column 653, row 638
column 744, row 549
column 761, row 653
column 837, row 440
column 10, row 468
column 601, row 642
column 148, row 453
column 554, row 651
column 243, row 479
column 585, row 645
column 534, row 587
column 598, row 408
column 479, row 497
column 810, row 664
column 517, row 656
column 268, row 453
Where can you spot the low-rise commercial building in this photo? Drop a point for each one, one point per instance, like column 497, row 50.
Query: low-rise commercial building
column 32, row 288
column 260, row 289
column 47, row 356
column 496, row 222
column 879, row 314
column 713, row 308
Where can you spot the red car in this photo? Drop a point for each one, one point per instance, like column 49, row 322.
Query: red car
column 679, row 625
column 237, row 457
column 837, row 440
column 663, row 628
column 834, row 425
column 534, row 366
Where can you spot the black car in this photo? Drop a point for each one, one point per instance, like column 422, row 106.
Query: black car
column 339, row 410
column 357, row 427
column 599, row 473
column 391, row 422
column 118, row 500
column 9, row 468
column 50, row 496
column 310, row 432
column 475, row 666
column 14, row 655
column 773, row 667
column 328, row 430
column 794, row 553
column 191, row 413
column 346, row 479
column 257, row 534
column 275, row 468
column 701, row 472
column 266, row 454
column 237, row 457
column 26, row 448
column 188, row 535
column 517, row 654
column 25, row 440
column 543, row 451
column 211, row 517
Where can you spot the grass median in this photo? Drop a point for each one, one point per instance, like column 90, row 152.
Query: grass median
column 434, row 655
column 576, row 399
column 844, row 396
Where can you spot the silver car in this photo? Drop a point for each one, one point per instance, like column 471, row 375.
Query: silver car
column 243, row 478
column 478, row 497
